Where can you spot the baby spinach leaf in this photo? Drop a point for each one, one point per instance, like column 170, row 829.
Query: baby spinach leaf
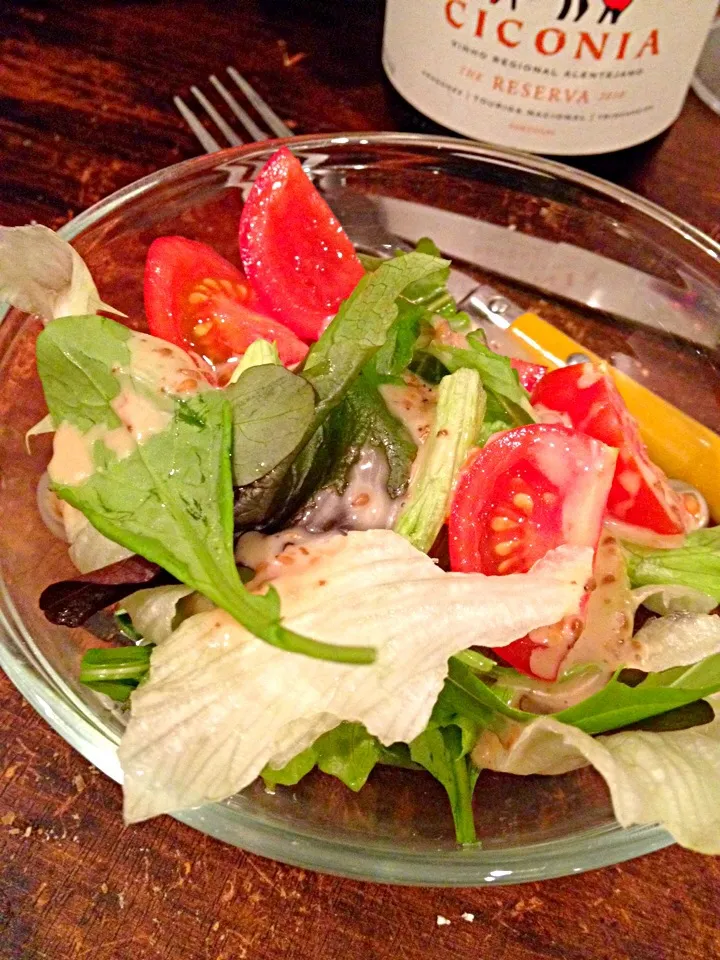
column 361, row 327
column 76, row 357
column 170, row 498
column 272, row 410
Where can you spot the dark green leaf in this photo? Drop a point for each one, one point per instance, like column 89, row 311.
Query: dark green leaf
column 363, row 420
column 361, row 327
column 272, row 412
column 443, row 752
column 331, row 367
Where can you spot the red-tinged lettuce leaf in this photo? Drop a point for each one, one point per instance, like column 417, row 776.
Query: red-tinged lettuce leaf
column 69, row 603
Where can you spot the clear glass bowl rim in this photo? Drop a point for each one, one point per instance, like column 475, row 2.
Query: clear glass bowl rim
column 473, row 866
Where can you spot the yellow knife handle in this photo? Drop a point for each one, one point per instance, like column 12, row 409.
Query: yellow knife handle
column 678, row 444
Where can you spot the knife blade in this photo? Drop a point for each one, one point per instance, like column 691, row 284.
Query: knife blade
column 690, row 310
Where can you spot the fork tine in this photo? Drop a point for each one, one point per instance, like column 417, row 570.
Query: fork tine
column 269, row 116
column 247, row 121
column 232, row 138
column 207, row 140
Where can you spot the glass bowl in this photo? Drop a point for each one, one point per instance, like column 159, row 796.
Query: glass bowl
column 398, row 829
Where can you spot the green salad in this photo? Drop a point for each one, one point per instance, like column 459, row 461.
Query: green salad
column 337, row 530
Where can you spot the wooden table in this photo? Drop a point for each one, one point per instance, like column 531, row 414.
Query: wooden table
column 86, row 107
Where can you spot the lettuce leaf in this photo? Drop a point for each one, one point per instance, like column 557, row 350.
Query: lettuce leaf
column 41, row 273
column 508, row 402
column 217, row 697
column 695, row 565
column 460, row 408
column 669, row 778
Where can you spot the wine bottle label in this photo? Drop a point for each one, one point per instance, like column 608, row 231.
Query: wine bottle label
column 550, row 76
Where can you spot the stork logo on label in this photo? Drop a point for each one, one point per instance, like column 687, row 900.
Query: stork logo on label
column 611, row 9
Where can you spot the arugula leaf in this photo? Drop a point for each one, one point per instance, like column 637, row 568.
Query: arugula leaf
column 444, row 752
column 443, row 749
column 272, row 411
column 616, row 705
column 116, row 671
column 500, row 381
column 170, row 498
column 350, row 753
column 363, row 420
column 361, row 327
column 695, row 565
column 461, row 403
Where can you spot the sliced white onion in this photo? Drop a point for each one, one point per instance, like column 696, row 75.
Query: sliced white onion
column 642, row 536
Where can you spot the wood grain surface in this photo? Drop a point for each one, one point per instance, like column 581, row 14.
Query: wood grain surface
column 86, row 107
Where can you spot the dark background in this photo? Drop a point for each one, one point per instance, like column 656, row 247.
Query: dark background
column 86, row 107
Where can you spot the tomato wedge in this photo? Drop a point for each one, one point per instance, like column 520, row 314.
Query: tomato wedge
column 528, row 491
column 200, row 301
column 297, row 256
column 530, row 373
column 640, row 494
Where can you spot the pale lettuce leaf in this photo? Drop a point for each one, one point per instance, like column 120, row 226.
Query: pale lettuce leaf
column 45, row 425
column 41, row 273
column 219, row 704
column 154, row 612
column 259, row 353
column 663, row 598
column 88, row 548
column 677, row 640
column 670, row 778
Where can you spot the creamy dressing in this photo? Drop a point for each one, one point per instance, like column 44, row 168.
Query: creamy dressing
column 413, row 403
column 274, row 555
column 141, row 417
column 163, row 366
column 365, row 503
column 72, row 460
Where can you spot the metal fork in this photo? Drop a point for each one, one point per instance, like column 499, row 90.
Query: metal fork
column 360, row 216
column 208, row 141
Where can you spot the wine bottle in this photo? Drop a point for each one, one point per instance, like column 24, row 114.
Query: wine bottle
column 555, row 77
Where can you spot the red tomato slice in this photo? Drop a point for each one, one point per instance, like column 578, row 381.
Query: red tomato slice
column 198, row 300
column 530, row 490
column 530, row 373
column 640, row 493
column 297, row 256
